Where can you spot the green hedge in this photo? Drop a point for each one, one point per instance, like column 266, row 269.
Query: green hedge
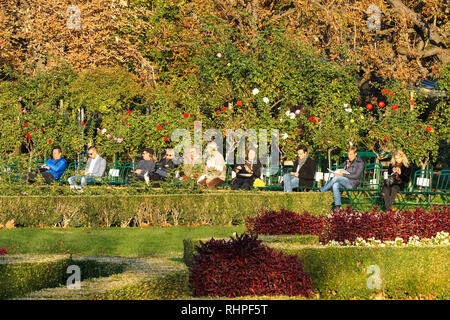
column 342, row 272
column 215, row 208
column 20, row 278
column 172, row 286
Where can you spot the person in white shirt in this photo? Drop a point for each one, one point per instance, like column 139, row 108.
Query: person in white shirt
column 95, row 168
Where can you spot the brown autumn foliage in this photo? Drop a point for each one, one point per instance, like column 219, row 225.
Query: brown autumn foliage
column 411, row 43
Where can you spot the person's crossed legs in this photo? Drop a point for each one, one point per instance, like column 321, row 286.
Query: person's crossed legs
column 338, row 183
column 290, row 181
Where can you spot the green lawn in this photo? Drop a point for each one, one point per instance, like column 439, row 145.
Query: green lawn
column 129, row 242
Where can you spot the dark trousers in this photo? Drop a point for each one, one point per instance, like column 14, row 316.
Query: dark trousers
column 389, row 195
column 31, row 177
column 241, row 183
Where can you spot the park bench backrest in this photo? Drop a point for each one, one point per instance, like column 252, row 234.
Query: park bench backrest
column 443, row 181
column 422, row 180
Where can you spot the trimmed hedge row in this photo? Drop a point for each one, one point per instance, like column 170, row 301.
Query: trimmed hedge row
column 215, row 208
column 345, row 272
column 20, row 278
column 172, row 286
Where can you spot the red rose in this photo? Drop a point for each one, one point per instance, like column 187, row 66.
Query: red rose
column 428, row 128
column 412, row 103
column 312, row 119
column 34, row 129
column 42, row 129
column 186, row 115
column 128, row 111
column 224, row 108
column 166, row 123
column 83, row 123
column 184, row 177
column 217, row 111
column 166, row 139
column 394, row 107
column 381, row 104
column 26, row 124
column 28, row 135
column 51, row 127
column 357, row 116
column 369, row 106
column 50, row 141
column 126, row 119
column 159, row 127
column 391, row 94
column 385, row 91
column 386, row 138
column 239, row 103
column 374, row 98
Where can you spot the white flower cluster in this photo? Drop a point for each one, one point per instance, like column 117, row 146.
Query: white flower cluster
column 440, row 239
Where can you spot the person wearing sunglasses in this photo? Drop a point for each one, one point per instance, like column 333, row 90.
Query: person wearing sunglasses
column 95, row 168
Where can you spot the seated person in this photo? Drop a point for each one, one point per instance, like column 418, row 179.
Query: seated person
column 192, row 163
column 215, row 167
column 398, row 177
column 302, row 173
column 247, row 173
column 52, row 169
column 164, row 166
column 145, row 166
column 95, row 168
column 355, row 168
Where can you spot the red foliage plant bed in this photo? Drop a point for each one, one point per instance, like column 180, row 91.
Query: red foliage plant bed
column 346, row 224
column 285, row 222
column 243, row 266
column 3, row 251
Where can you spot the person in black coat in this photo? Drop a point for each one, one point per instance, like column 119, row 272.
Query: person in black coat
column 399, row 172
column 248, row 172
column 164, row 167
column 303, row 172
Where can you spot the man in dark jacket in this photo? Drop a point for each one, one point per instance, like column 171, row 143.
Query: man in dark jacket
column 303, row 172
column 354, row 167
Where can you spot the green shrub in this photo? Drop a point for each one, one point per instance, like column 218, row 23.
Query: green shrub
column 20, row 278
column 343, row 272
column 216, row 208
column 172, row 286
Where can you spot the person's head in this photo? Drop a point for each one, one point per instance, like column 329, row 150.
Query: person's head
column 251, row 154
column 92, row 152
column 302, row 151
column 351, row 153
column 170, row 154
column 399, row 157
column 147, row 154
column 211, row 148
column 57, row 153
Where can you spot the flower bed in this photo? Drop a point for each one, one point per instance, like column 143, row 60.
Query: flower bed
column 402, row 272
column 345, row 226
column 243, row 266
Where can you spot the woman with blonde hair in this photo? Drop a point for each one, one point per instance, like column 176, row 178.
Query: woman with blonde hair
column 398, row 177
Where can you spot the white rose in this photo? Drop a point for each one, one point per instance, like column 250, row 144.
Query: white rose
column 292, row 115
column 288, row 113
column 266, row 100
column 297, row 112
column 103, row 131
column 255, row 91
column 285, row 136
column 219, row 55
